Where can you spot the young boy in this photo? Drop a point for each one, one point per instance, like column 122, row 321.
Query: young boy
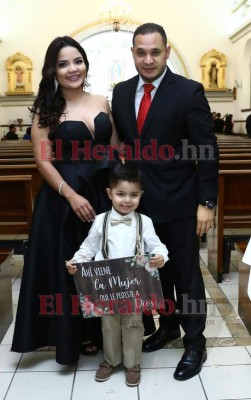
column 122, row 334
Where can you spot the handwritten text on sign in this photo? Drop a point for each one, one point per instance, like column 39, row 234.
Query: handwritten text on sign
column 122, row 285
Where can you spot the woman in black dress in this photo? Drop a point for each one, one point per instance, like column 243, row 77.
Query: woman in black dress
column 71, row 134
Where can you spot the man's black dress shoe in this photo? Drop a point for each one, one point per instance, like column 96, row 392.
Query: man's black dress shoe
column 190, row 364
column 159, row 339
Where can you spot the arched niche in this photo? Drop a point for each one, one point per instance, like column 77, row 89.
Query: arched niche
column 213, row 70
column 19, row 69
column 109, row 54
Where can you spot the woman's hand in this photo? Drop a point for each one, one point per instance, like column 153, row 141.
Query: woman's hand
column 82, row 208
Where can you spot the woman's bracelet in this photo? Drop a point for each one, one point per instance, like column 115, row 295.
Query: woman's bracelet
column 60, row 187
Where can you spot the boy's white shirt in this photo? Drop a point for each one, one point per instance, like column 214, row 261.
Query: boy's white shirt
column 121, row 239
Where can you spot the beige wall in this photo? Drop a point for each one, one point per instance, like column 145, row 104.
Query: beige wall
column 194, row 27
column 241, row 55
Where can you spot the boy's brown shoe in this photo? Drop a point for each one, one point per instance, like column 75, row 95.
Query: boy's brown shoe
column 133, row 376
column 104, row 372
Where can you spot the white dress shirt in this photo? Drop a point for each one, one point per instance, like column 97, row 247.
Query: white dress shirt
column 140, row 90
column 121, row 239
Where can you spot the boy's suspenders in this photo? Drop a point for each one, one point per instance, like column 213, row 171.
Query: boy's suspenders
column 104, row 247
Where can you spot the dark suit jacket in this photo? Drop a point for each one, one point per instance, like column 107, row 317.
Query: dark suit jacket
column 248, row 125
column 178, row 123
column 219, row 125
column 11, row 136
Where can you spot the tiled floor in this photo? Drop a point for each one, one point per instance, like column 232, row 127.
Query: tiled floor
column 224, row 376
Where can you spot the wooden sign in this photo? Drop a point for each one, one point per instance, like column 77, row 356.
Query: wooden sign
column 118, row 286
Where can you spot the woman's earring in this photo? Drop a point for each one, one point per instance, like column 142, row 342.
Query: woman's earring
column 55, row 85
column 86, row 84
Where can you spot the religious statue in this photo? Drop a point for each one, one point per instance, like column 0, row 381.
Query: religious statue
column 116, row 74
column 213, row 71
column 19, row 71
column 213, row 75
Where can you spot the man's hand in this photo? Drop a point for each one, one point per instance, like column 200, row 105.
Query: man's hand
column 205, row 219
column 157, row 261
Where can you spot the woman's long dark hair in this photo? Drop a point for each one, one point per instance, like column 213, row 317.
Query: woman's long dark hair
column 49, row 103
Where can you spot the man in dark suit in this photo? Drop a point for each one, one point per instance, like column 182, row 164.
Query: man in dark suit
column 11, row 135
column 218, row 124
column 177, row 153
column 248, row 125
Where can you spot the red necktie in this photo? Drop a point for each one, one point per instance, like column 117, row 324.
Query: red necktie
column 144, row 105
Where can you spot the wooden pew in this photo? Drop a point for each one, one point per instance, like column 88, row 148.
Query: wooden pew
column 234, row 164
column 235, row 156
column 234, row 145
column 244, row 303
column 17, row 154
column 12, row 161
column 232, row 157
column 233, row 217
column 234, row 150
column 15, row 143
column 16, row 204
column 16, row 157
column 230, row 139
column 233, row 141
column 16, row 148
column 12, row 145
column 6, row 314
column 24, row 169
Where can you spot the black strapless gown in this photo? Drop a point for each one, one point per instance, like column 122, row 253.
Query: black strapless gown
column 45, row 307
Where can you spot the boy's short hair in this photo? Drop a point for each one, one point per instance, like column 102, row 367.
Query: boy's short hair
column 125, row 172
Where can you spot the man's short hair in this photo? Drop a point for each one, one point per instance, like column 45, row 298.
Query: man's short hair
column 150, row 27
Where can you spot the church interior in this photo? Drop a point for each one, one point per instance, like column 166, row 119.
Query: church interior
column 210, row 43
